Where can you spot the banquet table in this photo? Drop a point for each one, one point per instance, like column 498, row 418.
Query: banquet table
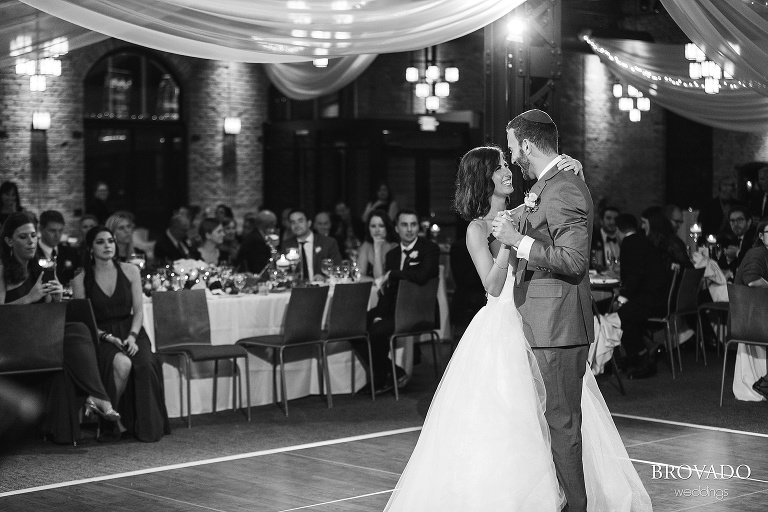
column 233, row 317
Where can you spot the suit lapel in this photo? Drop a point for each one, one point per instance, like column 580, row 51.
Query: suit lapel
column 538, row 189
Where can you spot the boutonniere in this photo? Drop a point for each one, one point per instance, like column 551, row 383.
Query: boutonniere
column 531, row 202
column 414, row 254
column 67, row 264
column 318, row 249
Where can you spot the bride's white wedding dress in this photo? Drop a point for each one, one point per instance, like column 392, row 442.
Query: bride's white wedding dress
column 485, row 443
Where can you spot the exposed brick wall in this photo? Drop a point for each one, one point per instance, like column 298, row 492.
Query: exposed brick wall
column 207, row 100
column 732, row 149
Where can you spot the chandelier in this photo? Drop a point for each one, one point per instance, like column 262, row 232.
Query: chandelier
column 38, row 61
column 430, row 82
column 701, row 67
column 634, row 102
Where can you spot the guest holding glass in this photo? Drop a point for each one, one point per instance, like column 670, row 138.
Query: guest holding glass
column 22, row 281
column 122, row 225
column 379, row 240
column 133, row 376
column 9, row 200
column 212, row 236
column 382, row 200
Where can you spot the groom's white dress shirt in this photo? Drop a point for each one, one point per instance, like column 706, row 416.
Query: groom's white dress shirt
column 524, row 249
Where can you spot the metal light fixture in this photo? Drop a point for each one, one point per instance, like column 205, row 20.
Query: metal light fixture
column 38, row 60
column 618, row 91
column 41, row 120
column 232, row 125
column 634, row 115
column 516, row 30
column 429, row 81
column 643, row 104
column 625, row 104
column 709, row 70
column 320, row 63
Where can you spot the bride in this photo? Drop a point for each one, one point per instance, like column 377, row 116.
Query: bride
column 485, row 443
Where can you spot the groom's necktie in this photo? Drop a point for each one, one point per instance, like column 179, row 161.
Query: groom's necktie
column 407, row 259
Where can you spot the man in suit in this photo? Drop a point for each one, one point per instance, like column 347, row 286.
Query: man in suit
column 313, row 247
column 606, row 240
column 172, row 244
column 713, row 216
column 552, row 289
column 417, row 260
column 254, row 253
column 67, row 258
column 739, row 241
column 759, row 203
column 643, row 294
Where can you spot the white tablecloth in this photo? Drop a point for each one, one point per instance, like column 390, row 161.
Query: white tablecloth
column 236, row 317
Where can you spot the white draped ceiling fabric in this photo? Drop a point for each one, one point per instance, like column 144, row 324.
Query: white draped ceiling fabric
column 279, row 32
column 660, row 71
column 733, row 33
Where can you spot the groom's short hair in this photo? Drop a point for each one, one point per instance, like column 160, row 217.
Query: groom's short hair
column 626, row 222
column 541, row 135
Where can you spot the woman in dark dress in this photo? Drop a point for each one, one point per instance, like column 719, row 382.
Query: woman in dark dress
column 21, row 282
column 132, row 374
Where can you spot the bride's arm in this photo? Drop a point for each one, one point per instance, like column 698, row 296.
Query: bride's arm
column 492, row 273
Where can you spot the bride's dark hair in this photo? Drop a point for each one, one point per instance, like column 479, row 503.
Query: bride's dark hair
column 474, row 183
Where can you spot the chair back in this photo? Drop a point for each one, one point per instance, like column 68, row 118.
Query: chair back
column 748, row 313
column 672, row 292
column 415, row 306
column 80, row 310
column 687, row 299
column 181, row 318
column 32, row 338
column 349, row 307
column 304, row 314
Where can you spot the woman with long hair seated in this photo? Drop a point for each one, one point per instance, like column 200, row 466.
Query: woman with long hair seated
column 133, row 376
column 21, row 282
column 212, row 236
column 379, row 240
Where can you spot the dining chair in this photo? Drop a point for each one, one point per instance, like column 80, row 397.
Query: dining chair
column 303, row 325
column 721, row 309
column 415, row 316
column 31, row 346
column 682, row 301
column 614, row 364
column 347, row 322
column 183, row 330
column 747, row 321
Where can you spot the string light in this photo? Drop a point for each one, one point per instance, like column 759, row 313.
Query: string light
column 676, row 81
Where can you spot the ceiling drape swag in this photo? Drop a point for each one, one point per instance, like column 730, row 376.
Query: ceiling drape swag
column 733, row 33
column 740, row 109
column 280, row 32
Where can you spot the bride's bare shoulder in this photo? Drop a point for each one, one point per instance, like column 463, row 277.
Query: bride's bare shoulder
column 477, row 229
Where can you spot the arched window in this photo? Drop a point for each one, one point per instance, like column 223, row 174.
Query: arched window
column 135, row 139
column 129, row 85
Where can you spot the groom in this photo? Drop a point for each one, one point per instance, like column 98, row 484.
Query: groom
column 552, row 292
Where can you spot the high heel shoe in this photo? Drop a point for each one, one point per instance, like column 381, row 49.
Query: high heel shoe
column 91, row 408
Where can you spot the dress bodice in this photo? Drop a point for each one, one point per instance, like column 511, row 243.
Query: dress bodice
column 111, row 308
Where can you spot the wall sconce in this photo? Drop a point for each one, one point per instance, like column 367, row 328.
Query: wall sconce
column 232, row 125
column 41, row 120
column 516, row 29
column 320, row 63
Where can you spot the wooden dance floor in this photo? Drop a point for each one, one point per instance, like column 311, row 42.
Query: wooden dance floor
column 358, row 474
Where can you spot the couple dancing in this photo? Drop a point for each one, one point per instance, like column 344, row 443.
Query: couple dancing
column 517, row 423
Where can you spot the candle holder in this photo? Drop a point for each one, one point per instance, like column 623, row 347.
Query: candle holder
column 293, row 258
column 695, row 233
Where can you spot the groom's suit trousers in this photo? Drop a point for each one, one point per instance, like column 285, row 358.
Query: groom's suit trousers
column 562, row 369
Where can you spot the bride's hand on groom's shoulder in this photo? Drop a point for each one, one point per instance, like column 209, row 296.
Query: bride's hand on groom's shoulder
column 568, row 163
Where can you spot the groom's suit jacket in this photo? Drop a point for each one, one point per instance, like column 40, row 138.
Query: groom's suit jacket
column 552, row 287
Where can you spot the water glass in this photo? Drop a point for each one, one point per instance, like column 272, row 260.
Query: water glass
column 239, row 282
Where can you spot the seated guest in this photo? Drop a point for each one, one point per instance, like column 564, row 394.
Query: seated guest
column 21, row 282
column 223, row 212
column 87, row 222
column 713, row 216
column 753, row 271
column 382, row 199
column 658, row 230
column 67, row 258
column 9, row 200
column 172, row 244
column 607, row 239
column 417, row 260
column 254, row 253
column 249, row 224
column 675, row 217
column 101, row 206
column 738, row 241
column 231, row 243
column 643, row 295
column 313, row 247
column 758, row 205
column 133, row 376
column 212, row 234
column 346, row 224
column 379, row 241
column 322, row 223
column 122, row 225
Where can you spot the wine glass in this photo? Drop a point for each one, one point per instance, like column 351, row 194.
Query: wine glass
column 326, row 267
column 138, row 259
column 337, row 272
column 272, row 238
column 239, row 282
column 346, row 265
